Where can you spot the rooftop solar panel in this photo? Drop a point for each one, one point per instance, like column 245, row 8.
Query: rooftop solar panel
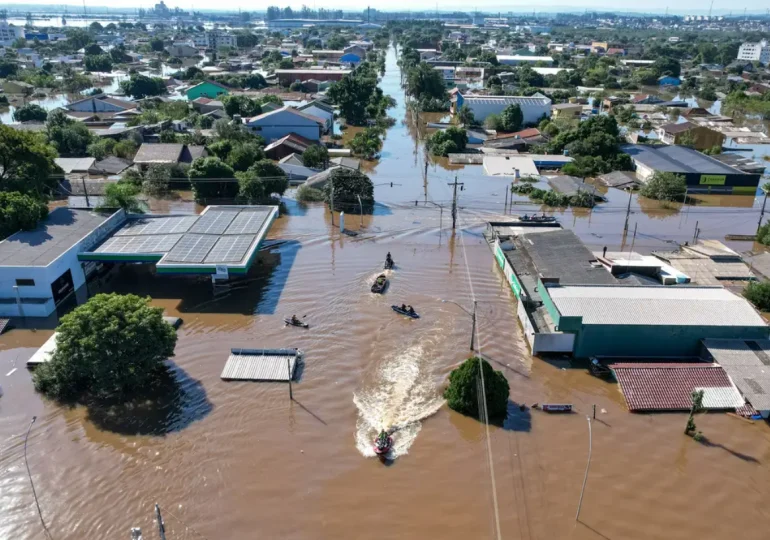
column 192, row 248
column 247, row 222
column 167, row 225
column 214, row 222
column 230, row 248
column 139, row 244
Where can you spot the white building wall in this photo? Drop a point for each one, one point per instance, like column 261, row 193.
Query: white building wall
column 755, row 52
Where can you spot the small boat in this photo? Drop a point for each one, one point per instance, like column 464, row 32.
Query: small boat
column 378, row 287
column 381, row 448
column 389, row 264
column 398, row 309
column 537, row 219
column 298, row 324
column 556, row 407
column 598, row 369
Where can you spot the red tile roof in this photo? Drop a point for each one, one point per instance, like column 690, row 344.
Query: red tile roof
column 666, row 387
column 523, row 134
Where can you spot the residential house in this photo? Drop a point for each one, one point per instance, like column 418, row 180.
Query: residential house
column 205, row 105
column 321, row 110
column 612, row 51
column 291, row 144
column 566, row 110
column 599, row 47
column 533, row 108
column 427, row 54
column 296, row 171
column 167, row 154
column 209, row 89
column 669, row 80
column 18, row 87
column 276, row 124
column 182, row 50
column 101, row 104
column 287, row 76
column 358, row 50
column 646, row 99
column 350, row 59
column 327, row 55
column 702, row 138
column 314, row 85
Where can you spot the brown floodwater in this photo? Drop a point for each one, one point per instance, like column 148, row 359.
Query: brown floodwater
column 231, row 460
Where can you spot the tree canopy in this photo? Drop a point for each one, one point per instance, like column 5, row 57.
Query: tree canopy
column 26, row 162
column 260, row 181
column 141, row 86
column 462, row 392
column 242, row 105
column 69, row 137
column 315, row 157
column 665, row 186
column 425, row 82
column 19, row 212
column 349, row 185
column 758, row 294
column 31, row 112
column 211, row 178
column 113, row 347
column 448, row 141
column 122, row 195
column 98, row 62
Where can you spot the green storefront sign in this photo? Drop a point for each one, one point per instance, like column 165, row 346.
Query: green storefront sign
column 713, row 179
column 508, row 271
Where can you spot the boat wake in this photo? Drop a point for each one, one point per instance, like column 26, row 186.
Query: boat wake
column 401, row 396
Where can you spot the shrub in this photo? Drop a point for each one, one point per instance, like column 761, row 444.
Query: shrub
column 349, row 185
column 315, row 157
column 448, row 141
column 759, row 295
column 31, row 112
column 19, row 212
column 309, row 194
column 665, row 186
column 462, row 392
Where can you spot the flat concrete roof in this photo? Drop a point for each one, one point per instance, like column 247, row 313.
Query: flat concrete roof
column 654, row 306
column 61, row 230
column 561, row 254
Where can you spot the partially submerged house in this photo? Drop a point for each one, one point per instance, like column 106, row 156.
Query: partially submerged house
column 284, row 121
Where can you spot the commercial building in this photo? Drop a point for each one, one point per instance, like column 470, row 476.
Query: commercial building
column 10, row 33
column 642, row 321
column 516, row 59
column 533, row 108
column 214, row 40
column 755, row 52
column 702, row 173
column 39, row 269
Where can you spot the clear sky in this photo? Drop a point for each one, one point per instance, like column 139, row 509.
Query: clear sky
column 678, row 6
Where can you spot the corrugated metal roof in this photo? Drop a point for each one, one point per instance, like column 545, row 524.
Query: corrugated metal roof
column 675, row 306
column 669, row 387
column 507, row 100
column 260, row 364
column 677, row 159
column 747, row 362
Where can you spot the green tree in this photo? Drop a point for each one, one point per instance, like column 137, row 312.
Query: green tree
column 348, row 186
column 93, row 49
column 68, row 136
column 156, row 180
column 122, row 195
column 242, row 105
column 465, row 116
column 95, row 27
column 448, row 141
column 462, row 394
column 125, row 149
column 366, row 143
column 101, row 148
column 315, row 157
column 665, row 186
column 511, row 118
column 112, row 348
column 99, row 62
column 244, row 154
column 156, row 44
column 271, row 175
column 77, row 38
column 352, row 95
column 423, row 81
column 211, row 178
column 665, row 65
column 32, row 112
column 758, row 293
column 19, row 212
column 697, row 406
column 140, row 86
column 286, row 63
column 8, row 68
column 26, row 162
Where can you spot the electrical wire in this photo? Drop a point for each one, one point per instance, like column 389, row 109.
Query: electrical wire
column 29, row 474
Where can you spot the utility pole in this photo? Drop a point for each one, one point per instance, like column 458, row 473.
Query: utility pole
column 695, row 234
column 454, row 201
column 762, row 213
column 88, row 204
column 288, row 367
column 331, row 199
column 161, row 525
column 473, row 328
column 628, row 211
column 361, row 205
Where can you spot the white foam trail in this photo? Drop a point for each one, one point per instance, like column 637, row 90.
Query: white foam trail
column 401, row 396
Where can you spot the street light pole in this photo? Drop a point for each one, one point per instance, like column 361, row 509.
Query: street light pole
column 473, row 328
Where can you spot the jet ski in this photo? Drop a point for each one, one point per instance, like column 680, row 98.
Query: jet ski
column 383, row 445
column 389, row 264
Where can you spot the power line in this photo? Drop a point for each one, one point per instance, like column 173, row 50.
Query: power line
column 29, row 474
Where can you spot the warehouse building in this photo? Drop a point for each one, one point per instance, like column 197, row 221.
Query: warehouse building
column 648, row 321
column 702, row 173
column 533, row 108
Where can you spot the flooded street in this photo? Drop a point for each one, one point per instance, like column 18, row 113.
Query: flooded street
column 232, row 460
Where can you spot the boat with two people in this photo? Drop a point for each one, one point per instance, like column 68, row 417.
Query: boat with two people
column 408, row 311
column 294, row 321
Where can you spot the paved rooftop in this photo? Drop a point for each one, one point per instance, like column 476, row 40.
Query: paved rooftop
column 63, row 228
column 675, row 306
column 561, row 254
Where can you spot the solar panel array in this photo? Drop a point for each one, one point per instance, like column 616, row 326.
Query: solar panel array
column 219, row 235
column 230, row 248
column 213, row 222
column 140, row 244
column 248, row 222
